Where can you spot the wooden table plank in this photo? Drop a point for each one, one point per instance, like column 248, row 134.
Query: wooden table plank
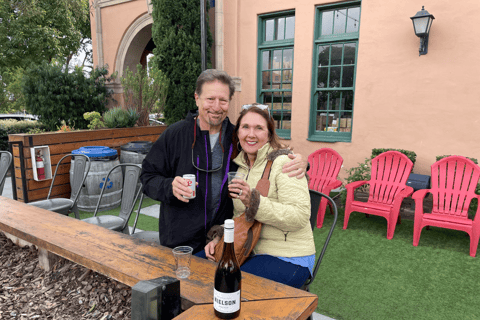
column 292, row 308
column 122, row 257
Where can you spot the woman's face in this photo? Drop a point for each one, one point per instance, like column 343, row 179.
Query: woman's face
column 252, row 133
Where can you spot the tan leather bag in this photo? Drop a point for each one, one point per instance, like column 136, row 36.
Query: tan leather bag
column 246, row 233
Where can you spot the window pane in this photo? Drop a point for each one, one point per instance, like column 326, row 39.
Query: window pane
column 280, row 29
column 324, row 120
column 277, row 59
column 290, row 32
column 347, row 80
column 345, row 124
column 336, row 58
column 277, row 101
column 287, row 76
column 277, row 79
column 287, row 79
column 265, row 60
column 323, row 55
column 287, row 101
column 322, row 98
column 349, row 53
column 266, row 80
column 336, row 100
column 340, row 19
column 322, row 77
column 348, row 105
column 334, row 77
column 267, row 99
column 269, row 26
column 287, row 58
column 353, row 21
column 327, row 23
column 333, row 125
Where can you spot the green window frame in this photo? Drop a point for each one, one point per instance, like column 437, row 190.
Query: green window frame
column 276, row 34
column 334, row 69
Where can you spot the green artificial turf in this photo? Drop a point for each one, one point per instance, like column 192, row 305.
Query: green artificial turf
column 365, row 276
column 144, row 222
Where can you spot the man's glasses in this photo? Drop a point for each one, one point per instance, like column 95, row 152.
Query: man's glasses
column 193, row 145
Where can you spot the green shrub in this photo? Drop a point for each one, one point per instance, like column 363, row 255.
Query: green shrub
column 95, row 119
column 358, row 173
column 120, row 118
column 145, row 91
column 176, row 33
column 55, row 95
column 13, row 127
column 410, row 154
column 444, row 156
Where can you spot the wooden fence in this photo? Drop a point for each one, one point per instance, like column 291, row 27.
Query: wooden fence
column 27, row 189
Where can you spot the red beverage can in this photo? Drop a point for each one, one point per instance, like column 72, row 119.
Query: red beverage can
column 191, row 184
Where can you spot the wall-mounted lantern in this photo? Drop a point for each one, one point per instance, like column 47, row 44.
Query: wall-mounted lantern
column 422, row 22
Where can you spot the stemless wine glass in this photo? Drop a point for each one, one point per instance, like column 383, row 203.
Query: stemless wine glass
column 183, row 255
column 234, row 175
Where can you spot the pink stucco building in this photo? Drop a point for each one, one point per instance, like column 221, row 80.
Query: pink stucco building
column 344, row 74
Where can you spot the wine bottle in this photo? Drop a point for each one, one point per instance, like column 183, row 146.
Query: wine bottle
column 228, row 279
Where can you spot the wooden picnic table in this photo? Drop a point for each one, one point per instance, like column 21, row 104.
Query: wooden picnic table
column 129, row 260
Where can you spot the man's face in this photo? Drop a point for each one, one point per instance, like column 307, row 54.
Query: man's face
column 213, row 105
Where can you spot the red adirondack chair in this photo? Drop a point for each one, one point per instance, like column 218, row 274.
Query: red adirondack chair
column 388, row 188
column 325, row 164
column 453, row 184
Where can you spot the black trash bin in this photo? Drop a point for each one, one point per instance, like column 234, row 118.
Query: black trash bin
column 135, row 152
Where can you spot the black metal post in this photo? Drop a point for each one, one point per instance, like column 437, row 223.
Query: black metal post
column 22, row 171
column 203, row 34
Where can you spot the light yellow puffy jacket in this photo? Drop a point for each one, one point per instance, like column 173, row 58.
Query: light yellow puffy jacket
column 285, row 213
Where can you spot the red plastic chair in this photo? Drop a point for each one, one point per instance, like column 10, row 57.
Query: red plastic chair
column 325, row 164
column 454, row 180
column 388, row 188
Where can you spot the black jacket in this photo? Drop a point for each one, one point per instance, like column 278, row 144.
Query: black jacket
column 171, row 155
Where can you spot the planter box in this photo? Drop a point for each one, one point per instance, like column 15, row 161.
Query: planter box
column 26, row 189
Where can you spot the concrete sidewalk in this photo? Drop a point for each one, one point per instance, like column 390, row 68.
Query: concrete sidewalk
column 152, row 211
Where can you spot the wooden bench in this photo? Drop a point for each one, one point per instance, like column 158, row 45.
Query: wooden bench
column 130, row 260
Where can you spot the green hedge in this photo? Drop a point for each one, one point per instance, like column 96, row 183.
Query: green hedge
column 13, row 126
column 444, row 156
column 410, row 154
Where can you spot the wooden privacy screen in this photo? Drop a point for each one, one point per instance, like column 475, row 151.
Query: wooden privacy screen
column 60, row 144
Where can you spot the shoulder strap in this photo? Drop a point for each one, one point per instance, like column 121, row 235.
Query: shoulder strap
column 264, row 184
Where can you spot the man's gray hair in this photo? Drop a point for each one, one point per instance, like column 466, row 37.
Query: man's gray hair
column 211, row 75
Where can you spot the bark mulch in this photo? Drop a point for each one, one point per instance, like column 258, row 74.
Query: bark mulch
column 69, row 291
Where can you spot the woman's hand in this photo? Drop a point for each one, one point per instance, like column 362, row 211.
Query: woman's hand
column 210, row 248
column 239, row 189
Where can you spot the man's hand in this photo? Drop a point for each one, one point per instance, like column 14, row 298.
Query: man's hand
column 180, row 188
column 297, row 167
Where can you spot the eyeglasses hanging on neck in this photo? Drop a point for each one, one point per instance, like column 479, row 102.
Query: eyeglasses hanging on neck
column 193, row 145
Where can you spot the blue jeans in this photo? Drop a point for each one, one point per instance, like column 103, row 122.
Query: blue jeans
column 272, row 268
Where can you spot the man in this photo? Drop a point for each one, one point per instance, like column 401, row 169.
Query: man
column 200, row 145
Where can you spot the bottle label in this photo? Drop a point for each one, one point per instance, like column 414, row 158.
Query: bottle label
column 228, row 235
column 226, row 302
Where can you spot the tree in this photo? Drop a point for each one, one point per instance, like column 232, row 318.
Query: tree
column 143, row 89
column 56, row 95
column 176, row 34
column 32, row 31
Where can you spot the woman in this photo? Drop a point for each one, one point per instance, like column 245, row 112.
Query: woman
column 285, row 251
